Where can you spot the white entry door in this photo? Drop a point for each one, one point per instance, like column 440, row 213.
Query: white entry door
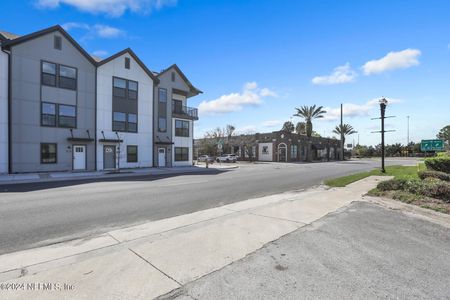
column 79, row 157
column 161, row 157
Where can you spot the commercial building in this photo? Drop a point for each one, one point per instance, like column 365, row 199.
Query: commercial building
column 277, row 146
column 61, row 109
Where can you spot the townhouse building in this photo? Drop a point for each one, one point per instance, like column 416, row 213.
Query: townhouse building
column 124, row 112
column 174, row 119
column 63, row 110
column 4, row 65
column 51, row 103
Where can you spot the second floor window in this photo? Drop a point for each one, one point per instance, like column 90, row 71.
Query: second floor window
column 67, row 116
column 162, row 124
column 58, row 76
column 132, row 123
column 181, row 128
column 124, row 122
column 58, row 115
column 48, row 114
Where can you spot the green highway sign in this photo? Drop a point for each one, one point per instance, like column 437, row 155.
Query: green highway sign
column 432, row 145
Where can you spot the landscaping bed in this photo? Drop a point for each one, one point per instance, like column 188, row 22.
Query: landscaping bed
column 426, row 185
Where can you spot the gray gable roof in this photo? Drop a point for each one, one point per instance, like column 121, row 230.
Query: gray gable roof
column 5, row 35
column 135, row 57
column 195, row 91
column 27, row 37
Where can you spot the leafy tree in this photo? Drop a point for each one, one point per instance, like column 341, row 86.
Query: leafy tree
column 444, row 134
column 300, row 128
column 288, row 127
column 309, row 113
column 344, row 130
column 229, row 132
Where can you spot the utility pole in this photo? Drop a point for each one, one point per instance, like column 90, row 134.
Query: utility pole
column 342, row 134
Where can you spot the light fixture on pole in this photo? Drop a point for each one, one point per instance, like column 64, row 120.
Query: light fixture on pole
column 383, row 103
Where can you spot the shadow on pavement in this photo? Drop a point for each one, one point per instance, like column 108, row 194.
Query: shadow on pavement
column 37, row 186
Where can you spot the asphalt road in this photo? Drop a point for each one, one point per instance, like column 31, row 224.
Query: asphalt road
column 38, row 214
column 364, row 252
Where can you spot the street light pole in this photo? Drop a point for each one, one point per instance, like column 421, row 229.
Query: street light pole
column 342, row 134
column 383, row 104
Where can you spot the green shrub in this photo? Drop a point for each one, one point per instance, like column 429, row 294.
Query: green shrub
column 441, row 163
column 430, row 187
column 434, row 174
column 394, row 184
column 436, row 188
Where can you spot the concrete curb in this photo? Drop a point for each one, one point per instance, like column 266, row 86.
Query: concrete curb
column 411, row 210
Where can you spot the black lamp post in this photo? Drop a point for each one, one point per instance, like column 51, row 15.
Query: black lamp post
column 383, row 104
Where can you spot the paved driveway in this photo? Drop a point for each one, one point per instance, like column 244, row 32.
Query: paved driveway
column 364, row 252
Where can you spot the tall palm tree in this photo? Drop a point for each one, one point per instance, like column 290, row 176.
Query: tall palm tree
column 344, row 130
column 308, row 113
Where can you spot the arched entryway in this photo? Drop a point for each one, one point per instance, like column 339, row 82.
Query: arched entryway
column 282, row 152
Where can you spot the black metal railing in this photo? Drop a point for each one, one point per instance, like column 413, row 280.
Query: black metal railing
column 184, row 110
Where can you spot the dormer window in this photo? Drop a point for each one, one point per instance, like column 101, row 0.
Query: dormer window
column 127, row 63
column 173, row 76
column 57, row 42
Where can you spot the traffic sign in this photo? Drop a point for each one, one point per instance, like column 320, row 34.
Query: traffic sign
column 432, row 145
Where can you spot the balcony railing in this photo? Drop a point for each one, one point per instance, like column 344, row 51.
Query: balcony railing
column 185, row 111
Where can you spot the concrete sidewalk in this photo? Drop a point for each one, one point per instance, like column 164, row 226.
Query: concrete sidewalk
column 152, row 259
column 65, row 176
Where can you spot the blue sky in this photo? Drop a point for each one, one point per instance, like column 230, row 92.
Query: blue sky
column 257, row 60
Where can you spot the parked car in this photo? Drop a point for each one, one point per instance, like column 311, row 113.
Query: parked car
column 227, row 158
column 205, row 158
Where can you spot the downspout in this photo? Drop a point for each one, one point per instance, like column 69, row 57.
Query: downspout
column 9, row 112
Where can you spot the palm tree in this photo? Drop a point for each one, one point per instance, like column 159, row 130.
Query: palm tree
column 343, row 130
column 309, row 113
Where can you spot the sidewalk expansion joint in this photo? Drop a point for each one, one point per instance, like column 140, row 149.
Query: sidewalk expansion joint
column 279, row 219
column 118, row 242
column 162, row 272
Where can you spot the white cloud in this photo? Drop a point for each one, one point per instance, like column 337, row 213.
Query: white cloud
column 352, row 110
column 250, row 96
column 105, row 31
column 272, row 123
column 100, row 53
column 265, row 92
column 74, row 25
column 392, row 61
column 341, row 74
column 251, row 85
column 114, row 8
column 94, row 31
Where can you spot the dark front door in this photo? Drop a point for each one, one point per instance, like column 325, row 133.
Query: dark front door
column 109, row 157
